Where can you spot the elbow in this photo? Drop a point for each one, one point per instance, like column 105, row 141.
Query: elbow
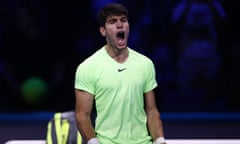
column 153, row 112
column 81, row 117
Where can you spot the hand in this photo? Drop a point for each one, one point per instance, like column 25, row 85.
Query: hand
column 159, row 140
column 93, row 141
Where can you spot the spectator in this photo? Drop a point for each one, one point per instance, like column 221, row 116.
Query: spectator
column 199, row 59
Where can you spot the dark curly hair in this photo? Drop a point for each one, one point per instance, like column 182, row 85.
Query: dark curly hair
column 110, row 10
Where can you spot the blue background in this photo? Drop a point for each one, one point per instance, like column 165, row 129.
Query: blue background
column 194, row 45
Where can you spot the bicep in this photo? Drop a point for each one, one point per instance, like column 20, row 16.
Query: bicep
column 84, row 102
column 150, row 103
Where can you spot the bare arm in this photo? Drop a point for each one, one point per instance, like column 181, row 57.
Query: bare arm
column 83, row 108
column 154, row 121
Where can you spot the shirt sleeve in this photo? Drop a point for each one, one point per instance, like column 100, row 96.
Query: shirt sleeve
column 150, row 75
column 84, row 79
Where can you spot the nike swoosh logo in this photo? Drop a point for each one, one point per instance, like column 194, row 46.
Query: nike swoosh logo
column 119, row 70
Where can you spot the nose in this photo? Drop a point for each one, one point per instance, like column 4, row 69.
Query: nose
column 119, row 24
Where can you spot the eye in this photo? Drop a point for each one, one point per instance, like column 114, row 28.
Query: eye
column 112, row 21
column 124, row 20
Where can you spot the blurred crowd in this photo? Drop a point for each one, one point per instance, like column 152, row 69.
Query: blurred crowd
column 194, row 45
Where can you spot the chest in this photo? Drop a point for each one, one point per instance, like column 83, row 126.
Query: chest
column 120, row 77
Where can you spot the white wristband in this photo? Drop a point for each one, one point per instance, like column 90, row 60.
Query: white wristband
column 93, row 141
column 159, row 140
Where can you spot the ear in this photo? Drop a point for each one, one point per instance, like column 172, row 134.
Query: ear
column 102, row 31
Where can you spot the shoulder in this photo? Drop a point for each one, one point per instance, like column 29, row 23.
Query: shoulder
column 93, row 59
column 139, row 56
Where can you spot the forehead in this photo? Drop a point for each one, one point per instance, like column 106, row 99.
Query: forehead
column 116, row 17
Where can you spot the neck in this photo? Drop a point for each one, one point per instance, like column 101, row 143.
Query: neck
column 120, row 55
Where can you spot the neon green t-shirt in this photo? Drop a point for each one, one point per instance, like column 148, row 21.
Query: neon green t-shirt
column 118, row 89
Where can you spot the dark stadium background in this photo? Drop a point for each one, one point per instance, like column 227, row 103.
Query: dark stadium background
column 195, row 41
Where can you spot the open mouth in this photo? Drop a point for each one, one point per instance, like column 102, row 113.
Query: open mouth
column 121, row 35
